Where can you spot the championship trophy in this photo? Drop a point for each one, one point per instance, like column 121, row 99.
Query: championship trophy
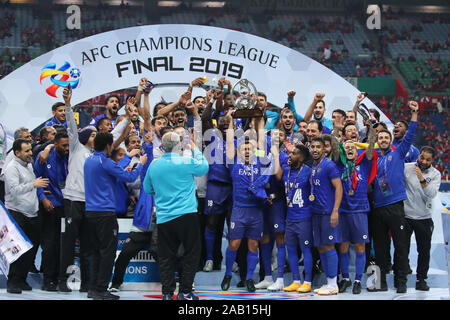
column 242, row 95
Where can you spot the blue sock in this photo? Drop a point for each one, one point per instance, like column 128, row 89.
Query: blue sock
column 252, row 261
column 266, row 256
column 323, row 260
column 230, row 256
column 360, row 264
column 307, row 263
column 343, row 262
column 293, row 262
column 281, row 259
column 332, row 261
column 210, row 236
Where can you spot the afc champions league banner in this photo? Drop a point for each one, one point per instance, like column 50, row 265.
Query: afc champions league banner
column 167, row 55
column 13, row 242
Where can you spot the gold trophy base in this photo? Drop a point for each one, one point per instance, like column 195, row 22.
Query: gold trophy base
column 247, row 113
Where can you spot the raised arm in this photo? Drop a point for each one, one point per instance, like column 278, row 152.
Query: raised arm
column 408, row 139
column 72, row 129
column 231, row 150
column 276, row 157
column 181, row 102
column 359, row 98
column 372, row 140
column 310, row 110
column 291, row 94
column 146, row 111
column 335, row 153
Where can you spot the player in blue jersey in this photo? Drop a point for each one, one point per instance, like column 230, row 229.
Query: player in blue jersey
column 295, row 175
column 326, row 195
column 357, row 171
column 248, row 178
column 218, row 188
column 274, row 222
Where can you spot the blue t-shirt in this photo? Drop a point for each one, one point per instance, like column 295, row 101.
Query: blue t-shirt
column 248, row 177
column 358, row 202
column 321, row 186
column 298, row 189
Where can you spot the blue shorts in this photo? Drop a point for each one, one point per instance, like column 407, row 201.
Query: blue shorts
column 246, row 223
column 274, row 217
column 353, row 227
column 219, row 198
column 323, row 232
column 299, row 233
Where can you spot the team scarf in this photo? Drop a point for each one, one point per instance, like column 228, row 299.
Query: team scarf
column 352, row 164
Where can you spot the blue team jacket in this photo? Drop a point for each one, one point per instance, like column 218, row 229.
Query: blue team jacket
column 55, row 169
column 121, row 188
column 392, row 163
column 143, row 211
column 413, row 153
column 100, row 177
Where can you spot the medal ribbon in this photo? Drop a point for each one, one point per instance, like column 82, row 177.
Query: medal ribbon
column 289, row 190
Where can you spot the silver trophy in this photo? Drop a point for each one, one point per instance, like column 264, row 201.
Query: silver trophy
column 242, row 95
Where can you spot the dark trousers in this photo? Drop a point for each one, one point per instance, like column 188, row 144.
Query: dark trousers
column 183, row 230
column 2, row 189
column 216, row 222
column 76, row 226
column 423, row 230
column 391, row 217
column 51, row 242
column 103, row 236
column 135, row 242
column 18, row 270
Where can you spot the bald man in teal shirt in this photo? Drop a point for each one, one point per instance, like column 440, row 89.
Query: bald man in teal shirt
column 171, row 180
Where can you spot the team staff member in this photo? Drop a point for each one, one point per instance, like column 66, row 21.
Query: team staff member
column 389, row 193
column 81, row 145
column 422, row 183
column 100, row 176
column 51, row 163
column 171, row 180
column 22, row 203
column 141, row 235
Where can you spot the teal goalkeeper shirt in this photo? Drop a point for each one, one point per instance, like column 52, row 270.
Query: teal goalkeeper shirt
column 170, row 179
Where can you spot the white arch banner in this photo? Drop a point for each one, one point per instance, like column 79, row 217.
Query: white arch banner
column 166, row 54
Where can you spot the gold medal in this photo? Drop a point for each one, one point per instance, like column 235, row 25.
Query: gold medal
column 311, row 197
column 351, row 192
